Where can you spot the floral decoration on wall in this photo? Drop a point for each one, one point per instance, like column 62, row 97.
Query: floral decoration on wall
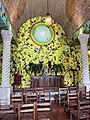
column 24, row 51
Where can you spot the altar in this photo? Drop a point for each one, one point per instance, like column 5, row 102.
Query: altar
column 47, row 81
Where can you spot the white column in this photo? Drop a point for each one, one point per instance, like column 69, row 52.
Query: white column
column 5, row 86
column 83, row 38
column 6, row 36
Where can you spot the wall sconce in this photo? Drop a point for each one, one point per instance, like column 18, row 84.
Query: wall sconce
column 48, row 19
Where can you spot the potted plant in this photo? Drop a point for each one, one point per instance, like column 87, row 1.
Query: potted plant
column 58, row 68
column 35, row 68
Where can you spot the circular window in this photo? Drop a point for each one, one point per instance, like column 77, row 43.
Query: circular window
column 42, row 34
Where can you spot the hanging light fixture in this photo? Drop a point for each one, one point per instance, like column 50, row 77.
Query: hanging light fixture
column 48, row 19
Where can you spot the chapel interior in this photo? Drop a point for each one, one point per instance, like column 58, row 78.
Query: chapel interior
column 44, row 59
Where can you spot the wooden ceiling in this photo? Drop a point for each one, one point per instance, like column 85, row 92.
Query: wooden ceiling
column 70, row 14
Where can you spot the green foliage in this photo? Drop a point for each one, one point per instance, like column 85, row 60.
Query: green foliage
column 58, row 68
column 34, row 68
column 84, row 29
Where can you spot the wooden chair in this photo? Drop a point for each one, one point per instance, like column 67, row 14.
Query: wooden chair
column 82, row 88
column 77, row 88
column 18, row 91
column 36, row 90
column 16, row 99
column 27, row 108
column 50, row 94
column 7, row 109
column 84, row 95
column 37, row 111
column 41, row 97
column 30, row 98
column 27, row 90
column 73, row 89
column 71, row 103
column 44, row 111
column 72, row 98
column 83, row 109
column 41, row 94
column 17, row 85
column 62, row 95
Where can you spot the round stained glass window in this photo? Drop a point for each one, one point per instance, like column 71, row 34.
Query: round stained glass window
column 42, row 34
